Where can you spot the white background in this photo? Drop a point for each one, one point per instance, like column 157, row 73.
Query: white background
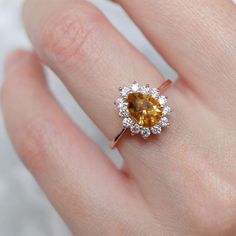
column 24, row 210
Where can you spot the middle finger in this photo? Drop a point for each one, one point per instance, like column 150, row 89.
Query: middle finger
column 198, row 39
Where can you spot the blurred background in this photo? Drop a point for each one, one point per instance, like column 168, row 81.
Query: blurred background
column 24, row 210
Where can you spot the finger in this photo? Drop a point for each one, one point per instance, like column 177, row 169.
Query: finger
column 91, row 58
column 197, row 38
column 69, row 167
column 72, row 37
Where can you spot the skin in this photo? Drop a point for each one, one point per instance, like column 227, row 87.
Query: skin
column 183, row 183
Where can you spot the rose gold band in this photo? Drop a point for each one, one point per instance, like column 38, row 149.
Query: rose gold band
column 162, row 89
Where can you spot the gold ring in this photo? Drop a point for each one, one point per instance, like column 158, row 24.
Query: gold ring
column 143, row 109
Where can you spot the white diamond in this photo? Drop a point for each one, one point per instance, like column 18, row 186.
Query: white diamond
column 156, row 129
column 162, row 100
column 135, row 87
column 125, row 91
column 127, row 122
column 144, row 90
column 135, row 129
column 166, row 111
column 123, row 112
column 155, row 92
column 164, row 122
column 145, row 132
column 120, row 102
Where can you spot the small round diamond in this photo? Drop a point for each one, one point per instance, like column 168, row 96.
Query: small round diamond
column 164, row 122
column 156, row 129
column 162, row 100
column 135, row 129
column 144, row 90
column 135, row 87
column 155, row 93
column 120, row 102
column 166, row 111
column 125, row 91
column 123, row 112
column 145, row 133
column 127, row 122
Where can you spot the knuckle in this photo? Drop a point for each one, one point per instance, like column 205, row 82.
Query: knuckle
column 71, row 36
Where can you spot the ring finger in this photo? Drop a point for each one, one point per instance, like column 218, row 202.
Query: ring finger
column 93, row 60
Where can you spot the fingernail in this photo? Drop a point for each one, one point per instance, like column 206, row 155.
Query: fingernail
column 14, row 59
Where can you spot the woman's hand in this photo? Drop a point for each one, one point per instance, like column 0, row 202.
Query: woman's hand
column 183, row 183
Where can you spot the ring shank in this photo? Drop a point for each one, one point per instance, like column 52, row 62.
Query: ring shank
column 165, row 85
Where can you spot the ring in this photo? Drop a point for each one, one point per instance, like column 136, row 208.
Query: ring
column 143, row 109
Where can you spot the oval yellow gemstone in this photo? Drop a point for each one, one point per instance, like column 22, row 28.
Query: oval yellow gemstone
column 144, row 109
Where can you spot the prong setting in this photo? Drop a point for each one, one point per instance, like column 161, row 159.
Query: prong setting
column 156, row 129
column 135, row 129
column 145, row 132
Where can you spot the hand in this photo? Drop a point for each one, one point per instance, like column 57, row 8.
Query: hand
column 183, row 183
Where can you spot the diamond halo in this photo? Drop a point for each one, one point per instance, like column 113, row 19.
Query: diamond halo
column 143, row 109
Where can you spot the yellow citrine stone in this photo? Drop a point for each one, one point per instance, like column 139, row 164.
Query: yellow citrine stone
column 144, row 109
